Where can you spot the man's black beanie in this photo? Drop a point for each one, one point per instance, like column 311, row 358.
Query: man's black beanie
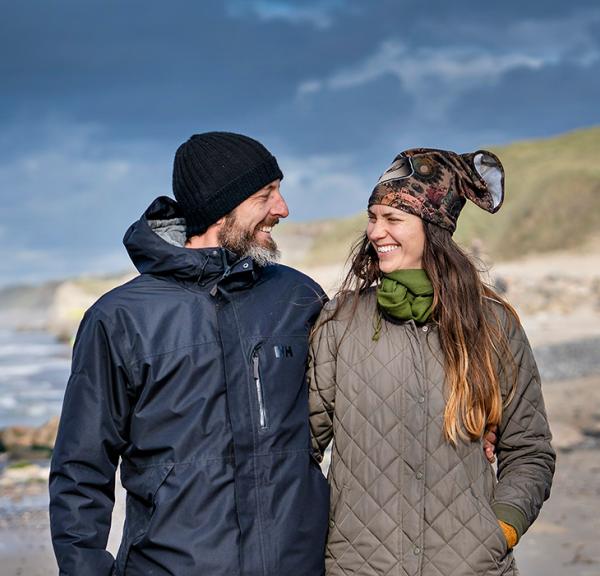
column 215, row 171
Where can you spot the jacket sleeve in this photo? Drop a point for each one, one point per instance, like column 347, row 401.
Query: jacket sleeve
column 90, row 439
column 525, row 456
column 321, row 380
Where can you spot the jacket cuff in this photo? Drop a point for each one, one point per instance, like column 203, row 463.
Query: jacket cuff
column 510, row 514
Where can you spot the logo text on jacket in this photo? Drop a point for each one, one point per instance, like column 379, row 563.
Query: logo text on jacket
column 283, row 351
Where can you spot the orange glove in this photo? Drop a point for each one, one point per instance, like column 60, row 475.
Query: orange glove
column 509, row 533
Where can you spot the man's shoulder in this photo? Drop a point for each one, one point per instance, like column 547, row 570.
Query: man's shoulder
column 283, row 273
column 127, row 295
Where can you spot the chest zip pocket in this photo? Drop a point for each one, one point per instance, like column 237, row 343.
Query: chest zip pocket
column 260, row 397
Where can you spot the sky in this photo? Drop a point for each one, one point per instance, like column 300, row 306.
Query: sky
column 96, row 96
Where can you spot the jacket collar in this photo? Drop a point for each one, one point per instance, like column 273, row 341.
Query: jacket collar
column 155, row 244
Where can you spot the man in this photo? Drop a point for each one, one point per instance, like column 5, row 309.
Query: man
column 193, row 375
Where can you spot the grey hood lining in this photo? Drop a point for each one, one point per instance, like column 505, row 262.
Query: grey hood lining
column 171, row 231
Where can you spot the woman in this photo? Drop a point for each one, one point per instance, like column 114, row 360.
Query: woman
column 410, row 363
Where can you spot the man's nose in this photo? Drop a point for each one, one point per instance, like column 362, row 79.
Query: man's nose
column 280, row 207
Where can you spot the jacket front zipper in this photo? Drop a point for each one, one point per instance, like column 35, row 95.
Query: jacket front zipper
column 262, row 413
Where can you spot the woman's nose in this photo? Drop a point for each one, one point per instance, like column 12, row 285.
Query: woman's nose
column 376, row 231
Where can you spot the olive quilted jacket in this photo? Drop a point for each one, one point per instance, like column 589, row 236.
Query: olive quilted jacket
column 403, row 500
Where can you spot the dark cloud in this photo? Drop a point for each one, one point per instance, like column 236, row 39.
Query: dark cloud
column 533, row 103
column 145, row 68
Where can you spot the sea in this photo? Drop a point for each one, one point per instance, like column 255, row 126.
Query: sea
column 34, row 369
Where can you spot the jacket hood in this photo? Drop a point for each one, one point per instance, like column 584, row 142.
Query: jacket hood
column 156, row 245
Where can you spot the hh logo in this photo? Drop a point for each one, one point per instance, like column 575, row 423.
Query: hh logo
column 283, row 351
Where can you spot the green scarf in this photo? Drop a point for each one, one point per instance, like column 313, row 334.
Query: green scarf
column 405, row 295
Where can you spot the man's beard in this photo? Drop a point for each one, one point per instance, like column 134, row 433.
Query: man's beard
column 243, row 242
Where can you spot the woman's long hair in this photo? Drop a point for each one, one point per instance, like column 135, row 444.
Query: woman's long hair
column 472, row 338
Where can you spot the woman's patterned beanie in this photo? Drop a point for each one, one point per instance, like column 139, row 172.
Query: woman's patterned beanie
column 434, row 184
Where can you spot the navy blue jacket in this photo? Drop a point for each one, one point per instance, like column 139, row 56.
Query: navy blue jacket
column 193, row 374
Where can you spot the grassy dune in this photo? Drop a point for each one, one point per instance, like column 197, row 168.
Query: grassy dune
column 552, row 197
column 552, row 202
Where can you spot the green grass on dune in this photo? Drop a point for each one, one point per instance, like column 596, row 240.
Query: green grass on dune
column 334, row 244
column 552, row 197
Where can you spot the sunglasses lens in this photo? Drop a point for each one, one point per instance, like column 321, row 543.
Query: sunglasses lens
column 400, row 168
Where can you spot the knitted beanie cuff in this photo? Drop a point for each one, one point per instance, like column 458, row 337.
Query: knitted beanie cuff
column 224, row 200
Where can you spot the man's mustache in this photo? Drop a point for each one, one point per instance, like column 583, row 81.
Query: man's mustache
column 268, row 222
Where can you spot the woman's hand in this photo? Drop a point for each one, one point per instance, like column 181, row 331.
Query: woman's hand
column 489, row 444
column 509, row 533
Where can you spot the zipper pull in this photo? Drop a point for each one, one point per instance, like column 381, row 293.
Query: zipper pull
column 226, row 266
column 255, row 373
column 262, row 413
